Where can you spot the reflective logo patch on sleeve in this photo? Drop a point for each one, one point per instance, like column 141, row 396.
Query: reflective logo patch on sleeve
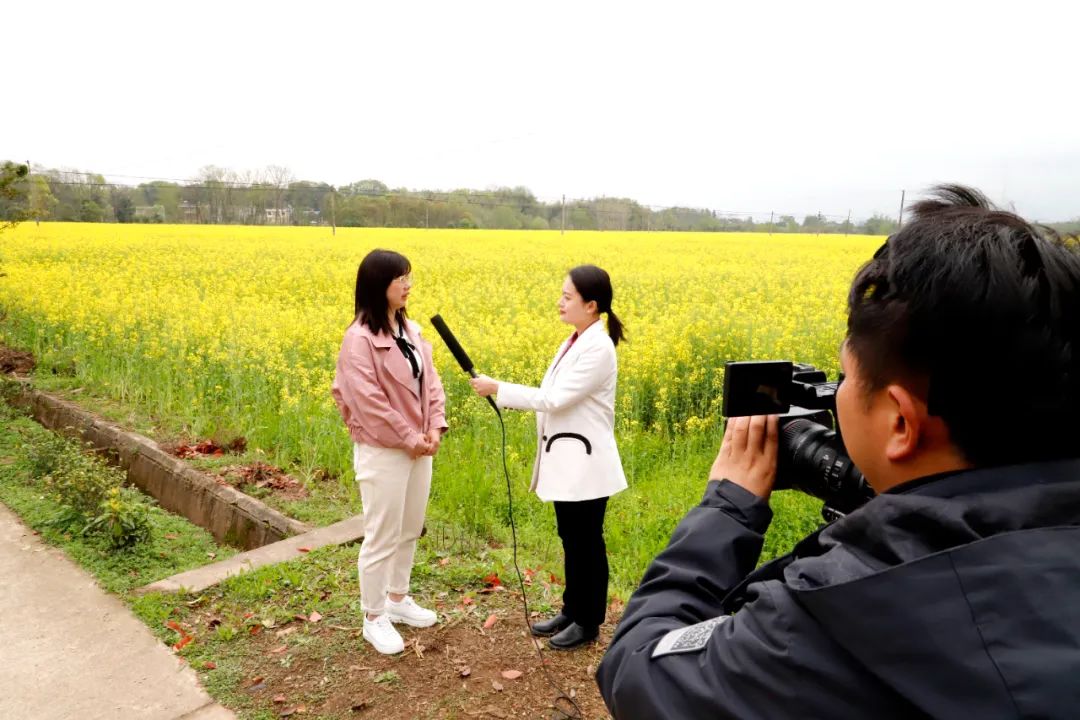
column 688, row 639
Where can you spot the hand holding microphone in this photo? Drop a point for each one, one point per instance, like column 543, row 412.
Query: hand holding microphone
column 484, row 386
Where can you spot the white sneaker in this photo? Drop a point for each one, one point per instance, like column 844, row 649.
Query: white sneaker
column 382, row 635
column 410, row 613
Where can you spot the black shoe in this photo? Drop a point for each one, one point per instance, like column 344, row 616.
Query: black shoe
column 547, row 628
column 573, row 636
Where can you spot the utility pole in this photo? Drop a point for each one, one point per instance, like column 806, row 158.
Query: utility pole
column 771, row 213
column 847, row 223
column 427, row 220
column 900, row 217
column 333, row 212
column 31, row 194
column 563, row 231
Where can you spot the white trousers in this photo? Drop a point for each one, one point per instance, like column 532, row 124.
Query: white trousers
column 394, row 491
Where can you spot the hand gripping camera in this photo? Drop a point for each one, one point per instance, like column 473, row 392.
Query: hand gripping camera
column 811, row 457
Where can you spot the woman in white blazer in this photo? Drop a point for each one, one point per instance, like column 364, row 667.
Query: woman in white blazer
column 577, row 462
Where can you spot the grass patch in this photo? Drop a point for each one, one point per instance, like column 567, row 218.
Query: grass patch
column 174, row 544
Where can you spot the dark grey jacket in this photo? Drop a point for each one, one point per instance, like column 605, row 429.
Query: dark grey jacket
column 951, row 597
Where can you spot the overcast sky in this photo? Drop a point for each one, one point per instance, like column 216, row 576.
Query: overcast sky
column 794, row 107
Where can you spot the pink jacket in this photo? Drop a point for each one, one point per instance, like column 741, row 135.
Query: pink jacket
column 376, row 392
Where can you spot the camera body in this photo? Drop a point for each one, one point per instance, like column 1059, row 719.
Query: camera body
column 811, row 453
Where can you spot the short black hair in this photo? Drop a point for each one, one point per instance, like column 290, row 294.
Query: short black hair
column 982, row 310
column 377, row 270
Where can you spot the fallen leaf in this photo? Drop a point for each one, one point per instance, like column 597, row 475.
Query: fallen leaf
column 286, row 631
column 315, row 616
column 444, row 561
column 255, row 629
column 497, row 685
column 279, row 699
column 211, row 555
column 210, row 665
column 279, row 650
column 494, row 711
column 466, row 600
column 492, row 619
column 511, row 674
column 183, row 642
column 269, row 623
column 304, row 550
column 171, row 536
column 464, row 671
column 492, row 579
column 590, row 670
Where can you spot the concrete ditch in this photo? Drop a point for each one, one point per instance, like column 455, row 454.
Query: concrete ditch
column 228, row 514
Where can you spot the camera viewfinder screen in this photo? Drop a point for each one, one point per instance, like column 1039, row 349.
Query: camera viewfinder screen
column 759, row 387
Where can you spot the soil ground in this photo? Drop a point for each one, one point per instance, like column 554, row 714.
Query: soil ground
column 456, row 669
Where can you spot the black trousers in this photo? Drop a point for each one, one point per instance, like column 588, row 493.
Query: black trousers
column 581, row 529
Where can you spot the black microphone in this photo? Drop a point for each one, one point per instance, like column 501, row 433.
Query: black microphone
column 457, row 351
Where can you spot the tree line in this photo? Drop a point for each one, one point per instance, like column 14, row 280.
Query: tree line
column 273, row 196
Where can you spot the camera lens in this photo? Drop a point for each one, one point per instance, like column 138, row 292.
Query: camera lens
column 812, row 458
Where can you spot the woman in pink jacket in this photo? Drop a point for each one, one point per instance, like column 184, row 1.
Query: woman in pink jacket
column 392, row 401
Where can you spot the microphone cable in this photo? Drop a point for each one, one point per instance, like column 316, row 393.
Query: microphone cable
column 466, row 364
column 561, row 696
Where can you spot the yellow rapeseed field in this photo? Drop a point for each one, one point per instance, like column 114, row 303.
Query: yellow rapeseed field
column 237, row 328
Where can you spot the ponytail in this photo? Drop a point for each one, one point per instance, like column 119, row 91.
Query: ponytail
column 594, row 285
column 615, row 327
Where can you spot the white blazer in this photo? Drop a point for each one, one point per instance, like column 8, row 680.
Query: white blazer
column 576, row 457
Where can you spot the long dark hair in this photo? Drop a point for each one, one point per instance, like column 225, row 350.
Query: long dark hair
column 593, row 283
column 377, row 270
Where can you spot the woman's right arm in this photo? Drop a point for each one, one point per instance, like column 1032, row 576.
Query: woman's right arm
column 365, row 399
column 572, row 385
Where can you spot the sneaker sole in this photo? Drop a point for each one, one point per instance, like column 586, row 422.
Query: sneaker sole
column 410, row 622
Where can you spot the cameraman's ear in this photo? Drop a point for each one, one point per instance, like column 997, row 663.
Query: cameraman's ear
column 908, row 424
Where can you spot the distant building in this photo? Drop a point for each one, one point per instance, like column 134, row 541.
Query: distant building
column 279, row 216
column 150, row 213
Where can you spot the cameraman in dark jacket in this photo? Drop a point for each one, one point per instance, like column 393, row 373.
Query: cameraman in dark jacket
column 955, row 593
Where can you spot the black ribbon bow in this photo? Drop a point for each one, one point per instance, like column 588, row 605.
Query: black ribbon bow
column 409, row 352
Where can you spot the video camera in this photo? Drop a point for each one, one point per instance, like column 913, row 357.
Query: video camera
column 811, row 457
